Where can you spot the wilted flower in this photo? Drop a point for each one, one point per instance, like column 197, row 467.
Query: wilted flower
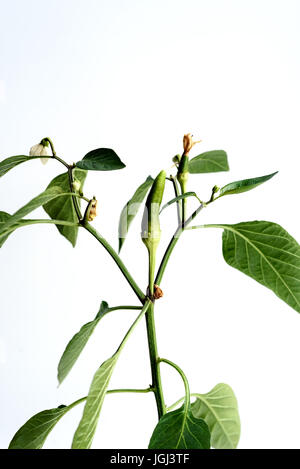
column 158, row 293
column 93, row 210
column 40, row 150
column 188, row 143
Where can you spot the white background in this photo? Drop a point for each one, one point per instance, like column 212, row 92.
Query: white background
column 135, row 76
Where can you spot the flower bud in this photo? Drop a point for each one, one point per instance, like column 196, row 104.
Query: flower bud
column 176, row 159
column 76, row 185
column 40, row 150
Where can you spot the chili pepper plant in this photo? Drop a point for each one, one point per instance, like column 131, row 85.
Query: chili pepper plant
column 262, row 250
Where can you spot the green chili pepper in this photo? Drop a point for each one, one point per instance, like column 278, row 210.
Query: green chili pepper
column 150, row 223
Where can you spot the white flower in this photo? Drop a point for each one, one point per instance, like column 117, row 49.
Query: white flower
column 40, row 150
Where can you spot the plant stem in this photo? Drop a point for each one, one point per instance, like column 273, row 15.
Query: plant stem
column 70, row 174
column 171, row 407
column 172, row 244
column 117, row 260
column 115, row 308
column 75, row 201
column 112, row 391
column 154, row 361
column 55, row 157
column 177, row 193
column 151, row 275
column 51, row 145
column 184, row 378
column 151, row 334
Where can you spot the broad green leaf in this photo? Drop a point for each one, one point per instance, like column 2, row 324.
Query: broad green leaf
column 131, row 208
column 219, row 409
column 180, row 429
column 9, row 163
column 87, row 427
column 209, row 162
column 244, row 185
column 180, row 197
column 41, row 199
column 62, row 208
column 33, row 434
column 102, row 159
column 267, row 253
column 77, row 344
column 7, row 230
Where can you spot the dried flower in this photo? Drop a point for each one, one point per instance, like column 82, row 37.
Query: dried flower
column 157, row 293
column 188, row 143
column 92, row 210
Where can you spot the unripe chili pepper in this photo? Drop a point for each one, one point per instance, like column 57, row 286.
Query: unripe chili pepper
column 150, row 223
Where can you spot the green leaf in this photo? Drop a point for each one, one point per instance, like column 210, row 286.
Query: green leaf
column 7, row 230
column 39, row 200
column 131, row 208
column 176, row 199
column 267, row 253
column 11, row 228
column 180, row 429
column 87, row 427
column 33, row 434
column 244, row 185
column 102, row 159
column 62, row 208
column 9, row 163
column 77, row 344
column 219, row 409
column 209, row 162
column 3, row 218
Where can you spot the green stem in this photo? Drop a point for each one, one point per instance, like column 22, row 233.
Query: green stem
column 183, row 202
column 172, row 244
column 75, row 201
column 55, row 157
column 171, row 407
column 152, row 261
column 52, row 146
column 177, row 193
column 144, row 310
column 115, row 308
column 70, row 174
column 117, row 260
column 151, row 334
column 112, row 391
column 184, row 378
column 154, row 361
